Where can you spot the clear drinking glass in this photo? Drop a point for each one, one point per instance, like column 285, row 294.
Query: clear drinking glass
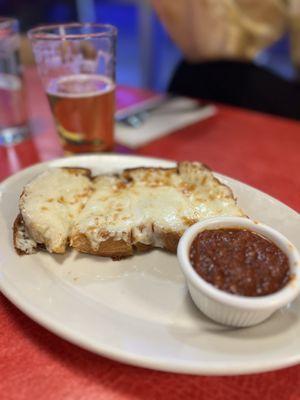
column 13, row 115
column 76, row 63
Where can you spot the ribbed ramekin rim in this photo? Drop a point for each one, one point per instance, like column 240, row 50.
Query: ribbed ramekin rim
column 272, row 301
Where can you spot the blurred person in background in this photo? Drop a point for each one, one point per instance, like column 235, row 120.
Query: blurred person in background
column 220, row 39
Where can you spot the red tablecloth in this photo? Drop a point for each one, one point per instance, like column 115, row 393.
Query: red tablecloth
column 35, row 364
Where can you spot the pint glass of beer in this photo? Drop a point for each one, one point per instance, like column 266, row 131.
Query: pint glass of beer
column 76, row 63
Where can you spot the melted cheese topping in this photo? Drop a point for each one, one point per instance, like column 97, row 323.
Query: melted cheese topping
column 138, row 206
column 154, row 203
column 49, row 205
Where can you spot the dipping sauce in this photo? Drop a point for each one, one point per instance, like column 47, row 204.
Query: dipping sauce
column 239, row 261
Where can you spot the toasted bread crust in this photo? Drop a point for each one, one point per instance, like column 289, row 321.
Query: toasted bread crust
column 142, row 247
column 106, row 248
column 170, row 241
column 18, row 223
column 19, row 230
column 79, row 171
column 118, row 249
column 128, row 172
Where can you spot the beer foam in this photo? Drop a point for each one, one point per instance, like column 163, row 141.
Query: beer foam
column 80, row 85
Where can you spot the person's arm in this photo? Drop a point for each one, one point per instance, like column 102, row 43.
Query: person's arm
column 214, row 29
column 196, row 28
column 294, row 27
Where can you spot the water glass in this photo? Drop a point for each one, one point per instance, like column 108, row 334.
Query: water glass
column 13, row 115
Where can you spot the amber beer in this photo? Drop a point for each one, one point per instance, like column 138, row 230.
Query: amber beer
column 83, row 108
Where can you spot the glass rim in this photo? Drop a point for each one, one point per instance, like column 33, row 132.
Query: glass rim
column 41, row 32
column 9, row 21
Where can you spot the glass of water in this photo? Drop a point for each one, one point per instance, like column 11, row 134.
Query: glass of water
column 13, row 115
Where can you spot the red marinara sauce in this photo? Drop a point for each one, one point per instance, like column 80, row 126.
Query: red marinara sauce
column 239, row 261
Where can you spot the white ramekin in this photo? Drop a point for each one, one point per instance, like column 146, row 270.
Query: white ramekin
column 230, row 309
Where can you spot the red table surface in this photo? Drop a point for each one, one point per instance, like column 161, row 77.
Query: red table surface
column 35, row 364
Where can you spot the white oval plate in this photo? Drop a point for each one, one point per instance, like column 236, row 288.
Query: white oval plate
column 138, row 310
